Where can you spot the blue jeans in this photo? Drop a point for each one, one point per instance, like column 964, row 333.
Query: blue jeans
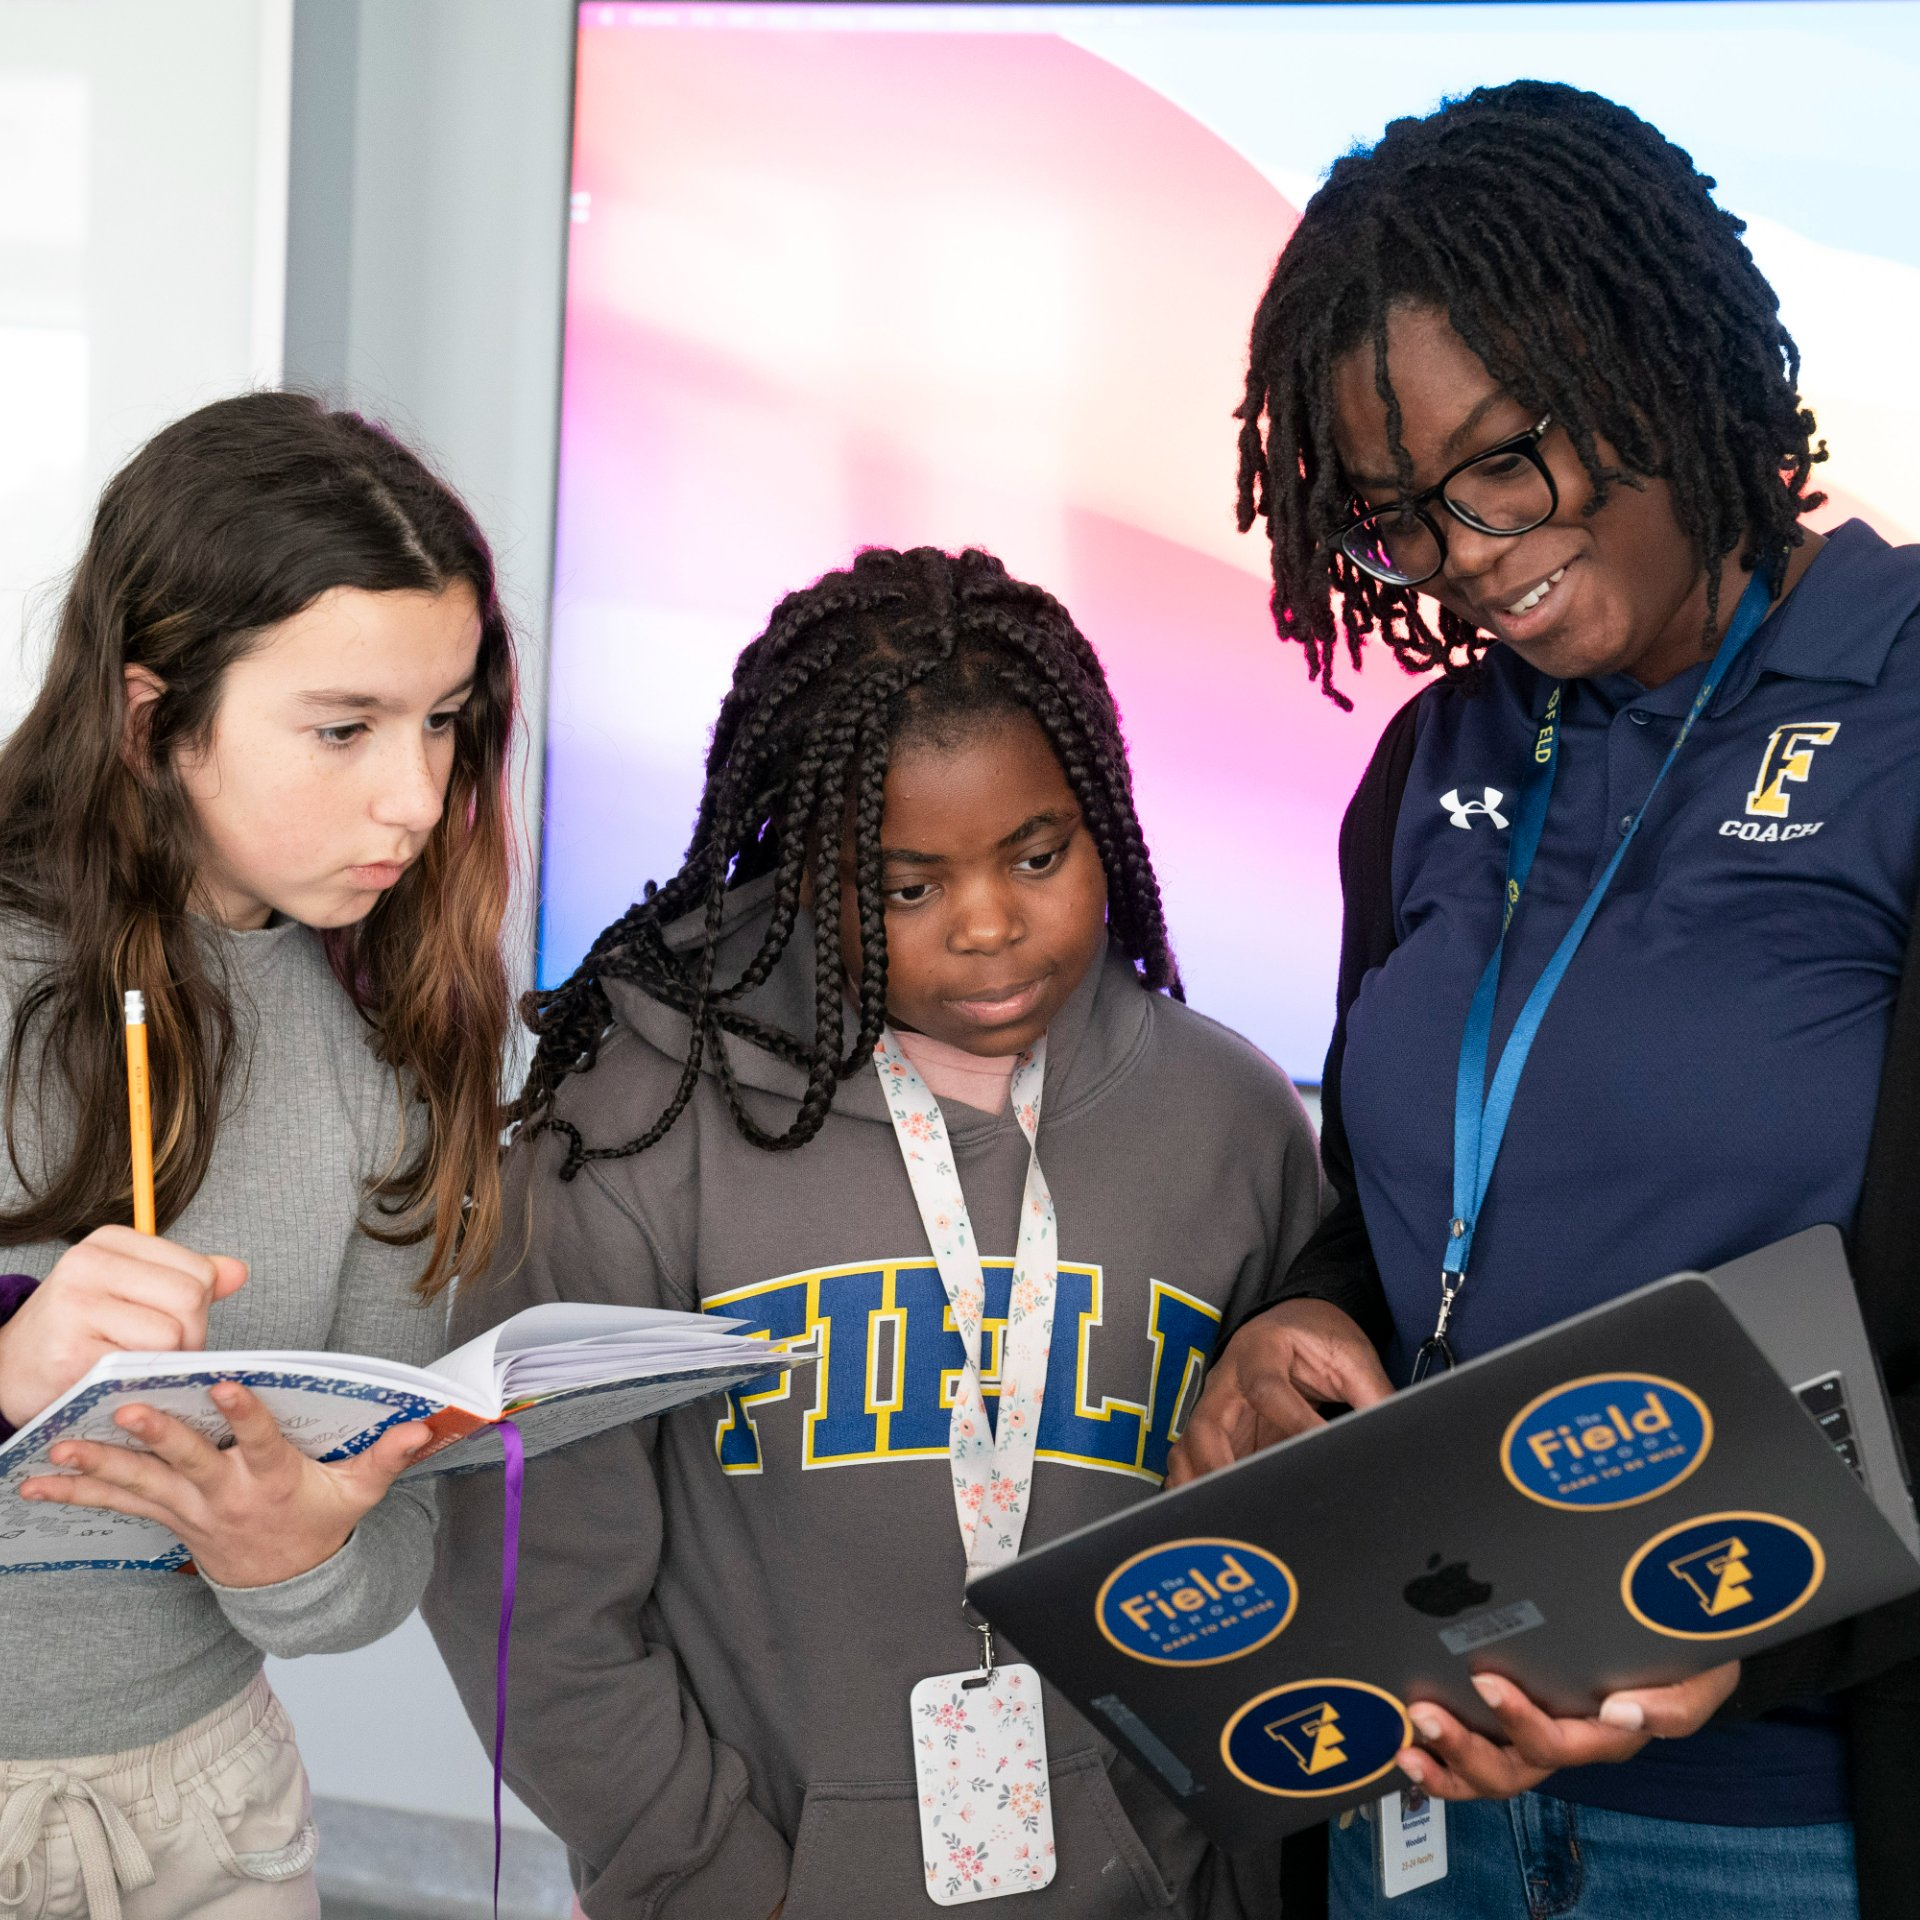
column 1537, row 1858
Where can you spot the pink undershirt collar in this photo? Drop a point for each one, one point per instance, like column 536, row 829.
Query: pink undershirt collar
column 984, row 1082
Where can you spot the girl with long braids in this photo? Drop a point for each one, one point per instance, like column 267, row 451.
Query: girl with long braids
column 1519, row 396
column 263, row 784
column 896, row 1062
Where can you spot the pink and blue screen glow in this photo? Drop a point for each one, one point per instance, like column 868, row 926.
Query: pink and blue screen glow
column 859, row 275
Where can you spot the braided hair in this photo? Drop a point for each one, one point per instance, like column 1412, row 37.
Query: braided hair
column 921, row 646
column 1578, row 253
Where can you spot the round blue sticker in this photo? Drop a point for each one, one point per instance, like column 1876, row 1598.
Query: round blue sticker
column 1315, row 1737
column 1608, row 1440
column 1195, row 1603
column 1722, row 1575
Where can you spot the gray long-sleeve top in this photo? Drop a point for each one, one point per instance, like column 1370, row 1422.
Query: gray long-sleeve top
column 100, row 1662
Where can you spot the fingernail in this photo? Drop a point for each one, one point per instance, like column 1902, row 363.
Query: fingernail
column 1413, row 1767
column 1425, row 1724
column 1490, row 1690
column 1629, row 1715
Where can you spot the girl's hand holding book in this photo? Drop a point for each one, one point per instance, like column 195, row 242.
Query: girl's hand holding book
column 252, row 1513
column 116, row 1291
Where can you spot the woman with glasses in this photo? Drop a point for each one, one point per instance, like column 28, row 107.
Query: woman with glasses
column 1521, row 408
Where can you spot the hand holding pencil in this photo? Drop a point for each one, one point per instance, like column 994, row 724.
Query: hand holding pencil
column 120, row 1289
column 251, row 1514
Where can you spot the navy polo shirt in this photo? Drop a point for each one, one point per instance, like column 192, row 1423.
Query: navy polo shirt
column 1704, row 1080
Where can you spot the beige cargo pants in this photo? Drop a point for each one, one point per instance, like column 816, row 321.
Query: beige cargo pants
column 214, row 1823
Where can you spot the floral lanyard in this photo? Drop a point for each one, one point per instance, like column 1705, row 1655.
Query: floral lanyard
column 992, row 1463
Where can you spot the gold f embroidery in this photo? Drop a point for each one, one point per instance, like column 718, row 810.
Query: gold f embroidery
column 1789, row 756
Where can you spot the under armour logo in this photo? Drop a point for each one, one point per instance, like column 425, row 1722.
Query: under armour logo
column 1461, row 812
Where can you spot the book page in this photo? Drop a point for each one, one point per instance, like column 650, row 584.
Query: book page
column 560, row 1321
column 568, row 1343
column 590, row 1363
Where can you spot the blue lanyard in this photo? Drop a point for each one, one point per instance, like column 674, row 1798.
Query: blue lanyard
column 1480, row 1110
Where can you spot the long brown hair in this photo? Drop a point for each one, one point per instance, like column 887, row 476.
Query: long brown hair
column 225, row 524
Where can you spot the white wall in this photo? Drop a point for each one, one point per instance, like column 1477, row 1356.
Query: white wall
column 384, row 1726
column 143, row 167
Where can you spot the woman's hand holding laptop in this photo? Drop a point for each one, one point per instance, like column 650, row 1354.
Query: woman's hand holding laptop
column 1455, row 1763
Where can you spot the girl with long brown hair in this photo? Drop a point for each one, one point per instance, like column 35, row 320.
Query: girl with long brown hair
column 263, row 783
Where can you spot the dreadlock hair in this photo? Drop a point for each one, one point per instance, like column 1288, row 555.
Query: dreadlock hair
column 1574, row 249
column 918, row 646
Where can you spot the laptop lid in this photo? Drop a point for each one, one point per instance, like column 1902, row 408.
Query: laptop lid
column 1623, row 1499
column 1797, row 1299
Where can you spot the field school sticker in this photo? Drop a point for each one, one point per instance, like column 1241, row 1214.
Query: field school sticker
column 1606, row 1440
column 1312, row 1738
column 1723, row 1575
column 1196, row 1603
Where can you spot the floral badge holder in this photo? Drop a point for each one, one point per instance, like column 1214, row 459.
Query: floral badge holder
column 986, row 1806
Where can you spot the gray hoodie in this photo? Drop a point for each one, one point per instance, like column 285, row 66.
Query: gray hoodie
column 722, row 1612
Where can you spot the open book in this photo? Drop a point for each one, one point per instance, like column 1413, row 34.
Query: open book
column 561, row 1371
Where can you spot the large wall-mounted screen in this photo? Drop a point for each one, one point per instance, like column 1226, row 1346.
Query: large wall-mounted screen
column 854, row 275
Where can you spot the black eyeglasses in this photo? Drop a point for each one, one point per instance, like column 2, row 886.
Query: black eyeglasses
column 1505, row 490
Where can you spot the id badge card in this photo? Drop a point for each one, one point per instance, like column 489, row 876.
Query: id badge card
column 986, row 1804
column 1409, row 1841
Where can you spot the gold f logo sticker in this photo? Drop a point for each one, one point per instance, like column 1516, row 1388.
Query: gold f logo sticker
column 1312, row 1736
column 1789, row 756
column 1719, row 1575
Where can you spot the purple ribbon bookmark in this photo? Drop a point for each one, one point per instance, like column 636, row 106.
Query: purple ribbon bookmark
column 513, row 1481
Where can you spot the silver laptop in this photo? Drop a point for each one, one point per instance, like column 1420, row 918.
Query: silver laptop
column 1797, row 1300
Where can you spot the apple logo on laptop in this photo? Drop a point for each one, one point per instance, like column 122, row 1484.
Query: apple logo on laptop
column 1445, row 1591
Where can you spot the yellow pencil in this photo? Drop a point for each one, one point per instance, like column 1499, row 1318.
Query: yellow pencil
column 140, row 1112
